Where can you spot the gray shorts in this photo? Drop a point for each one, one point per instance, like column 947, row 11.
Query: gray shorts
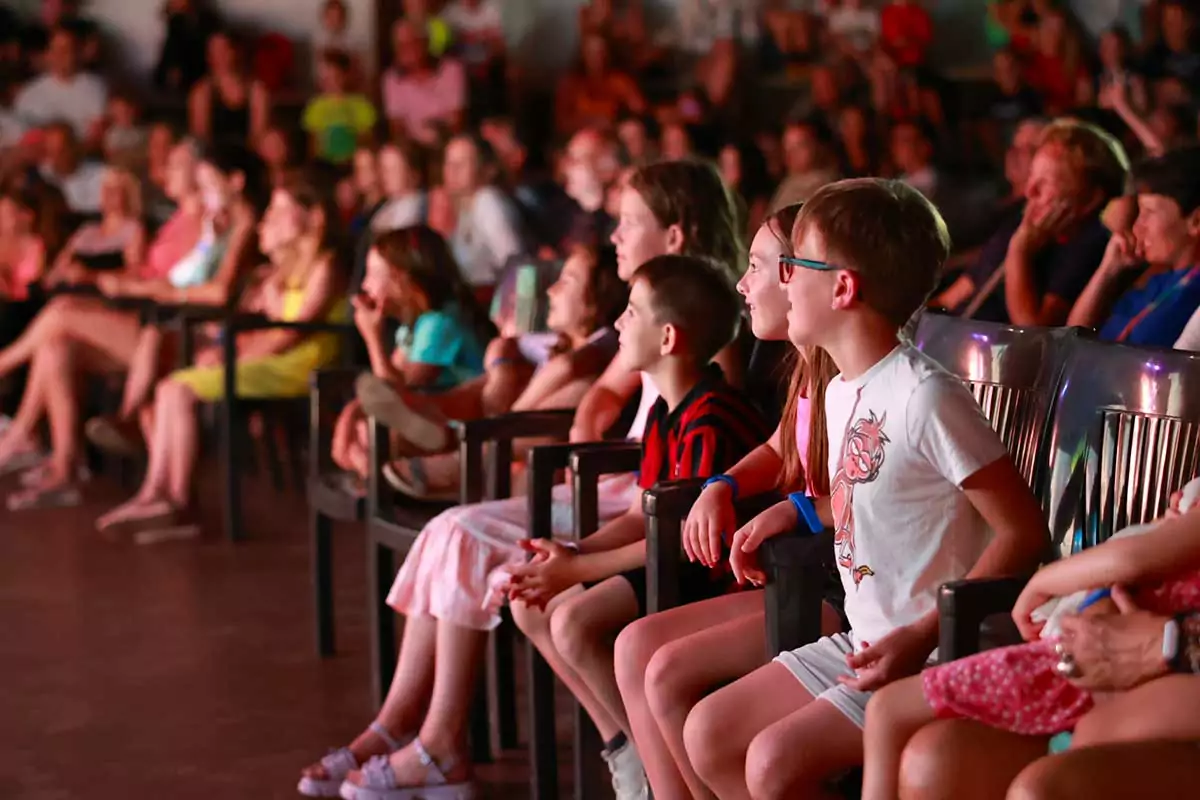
column 819, row 665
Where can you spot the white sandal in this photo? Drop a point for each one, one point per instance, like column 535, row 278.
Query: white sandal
column 338, row 764
column 379, row 781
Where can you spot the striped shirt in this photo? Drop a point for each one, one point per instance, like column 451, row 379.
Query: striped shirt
column 710, row 430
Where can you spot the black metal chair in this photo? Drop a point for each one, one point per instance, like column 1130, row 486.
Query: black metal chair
column 1125, row 433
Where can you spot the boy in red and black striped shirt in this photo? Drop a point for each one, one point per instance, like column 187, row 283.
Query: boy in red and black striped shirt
column 681, row 312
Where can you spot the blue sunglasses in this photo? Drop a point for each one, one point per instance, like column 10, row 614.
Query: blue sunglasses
column 788, row 264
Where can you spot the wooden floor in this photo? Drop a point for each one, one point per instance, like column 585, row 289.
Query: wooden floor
column 179, row 670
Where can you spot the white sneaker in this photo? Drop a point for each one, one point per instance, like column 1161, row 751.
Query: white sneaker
column 628, row 775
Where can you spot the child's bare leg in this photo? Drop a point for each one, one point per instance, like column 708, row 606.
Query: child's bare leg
column 143, row 371
column 345, row 433
column 797, row 755
column 1166, row 708
column 535, row 624
column 507, row 375
column 894, row 714
column 1111, row 772
column 584, row 629
column 720, row 729
column 666, row 663
column 960, row 758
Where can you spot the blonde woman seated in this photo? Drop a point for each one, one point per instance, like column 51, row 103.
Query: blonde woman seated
column 114, row 243
column 302, row 285
column 202, row 252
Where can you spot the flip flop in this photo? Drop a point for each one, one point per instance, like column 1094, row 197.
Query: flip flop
column 22, row 462
column 379, row 781
column 416, row 487
column 115, row 437
column 381, row 401
column 34, row 497
column 338, row 764
column 134, row 513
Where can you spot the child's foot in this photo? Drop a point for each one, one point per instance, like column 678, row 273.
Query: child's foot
column 116, row 436
column 325, row 777
column 439, row 773
column 137, row 511
column 628, row 774
column 18, row 453
column 383, row 402
column 51, row 491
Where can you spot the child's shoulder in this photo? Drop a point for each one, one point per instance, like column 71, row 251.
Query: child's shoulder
column 715, row 402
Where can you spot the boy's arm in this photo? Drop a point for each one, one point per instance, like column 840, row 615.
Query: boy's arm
column 602, row 405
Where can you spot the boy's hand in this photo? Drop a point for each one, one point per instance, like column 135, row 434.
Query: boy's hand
column 708, row 523
column 552, row 569
column 901, row 653
column 1032, row 598
column 743, row 556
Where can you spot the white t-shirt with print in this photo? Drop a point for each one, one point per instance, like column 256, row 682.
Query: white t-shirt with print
column 903, row 437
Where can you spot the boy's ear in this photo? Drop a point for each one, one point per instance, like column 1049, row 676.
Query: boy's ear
column 847, row 289
column 1193, row 224
column 672, row 340
column 675, row 239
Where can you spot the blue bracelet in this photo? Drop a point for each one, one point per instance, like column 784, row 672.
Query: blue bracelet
column 725, row 479
column 810, row 521
column 1093, row 597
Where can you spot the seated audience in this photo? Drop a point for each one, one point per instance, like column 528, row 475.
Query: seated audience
column 667, row 662
column 573, row 603
column 809, row 162
column 1175, row 55
column 116, row 241
column 64, row 93
column 301, row 284
column 337, row 120
column 228, row 105
column 1029, row 691
column 906, row 31
column 124, row 137
column 487, row 225
column 424, row 98
column 596, row 92
column 526, row 372
column 744, row 171
column 402, row 181
column 924, row 492
column 1145, row 290
column 28, row 230
column 1054, row 70
column 182, row 61
column 411, row 276
column 65, row 167
column 1034, row 268
column 666, row 208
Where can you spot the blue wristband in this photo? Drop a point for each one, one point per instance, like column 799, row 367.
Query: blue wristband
column 810, row 521
column 1093, row 597
column 725, row 479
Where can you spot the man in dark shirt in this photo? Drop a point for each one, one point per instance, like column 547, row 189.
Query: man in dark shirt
column 1176, row 56
column 1034, row 268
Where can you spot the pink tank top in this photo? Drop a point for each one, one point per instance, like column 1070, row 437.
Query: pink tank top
column 803, row 437
column 175, row 239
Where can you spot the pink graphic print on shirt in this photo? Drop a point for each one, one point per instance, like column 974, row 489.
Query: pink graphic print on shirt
column 860, row 461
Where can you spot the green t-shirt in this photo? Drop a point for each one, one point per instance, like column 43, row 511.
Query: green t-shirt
column 338, row 121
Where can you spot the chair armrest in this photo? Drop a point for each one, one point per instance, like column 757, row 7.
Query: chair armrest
column 328, row 390
column 500, row 431
column 544, row 463
column 798, row 568
column 665, row 507
column 243, row 323
column 964, row 605
column 588, row 465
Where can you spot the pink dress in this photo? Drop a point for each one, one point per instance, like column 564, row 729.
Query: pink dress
column 175, row 239
column 1016, row 688
column 455, row 569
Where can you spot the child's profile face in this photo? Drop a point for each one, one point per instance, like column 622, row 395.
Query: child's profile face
column 283, row 222
column 568, row 295
column 10, row 217
column 273, row 148
column 377, row 278
column 765, row 298
column 366, row 175
column 123, row 112
column 809, row 292
column 641, row 337
column 332, row 78
column 638, row 237
column 394, row 174
column 334, row 17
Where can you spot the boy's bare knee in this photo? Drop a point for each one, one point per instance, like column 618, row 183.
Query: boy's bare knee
column 531, row 621
column 572, row 630
column 633, row 650
column 664, row 690
column 764, row 777
column 922, row 767
column 1043, row 780
column 705, row 741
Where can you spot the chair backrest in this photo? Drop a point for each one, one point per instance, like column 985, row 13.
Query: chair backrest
column 1125, row 435
column 1012, row 372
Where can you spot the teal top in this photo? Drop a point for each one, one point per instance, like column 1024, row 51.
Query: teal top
column 445, row 339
